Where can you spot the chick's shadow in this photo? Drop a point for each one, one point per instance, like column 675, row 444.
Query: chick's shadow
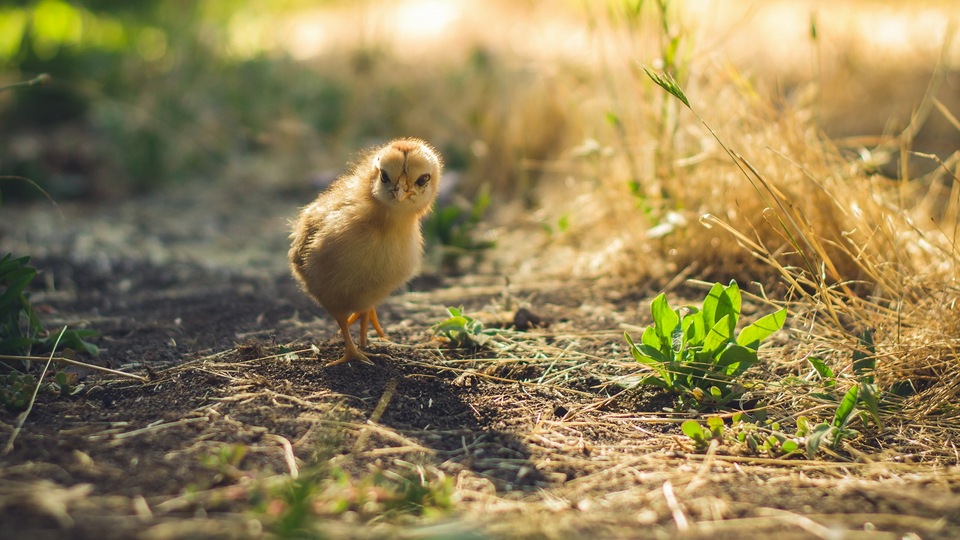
column 433, row 408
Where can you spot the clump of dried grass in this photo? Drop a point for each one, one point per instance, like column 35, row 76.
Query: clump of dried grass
column 757, row 192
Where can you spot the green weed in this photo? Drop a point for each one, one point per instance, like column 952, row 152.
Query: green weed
column 21, row 331
column 295, row 508
column 747, row 435
column 863, row 397
column 454, row 229
column 838, row 429
column 693, row 352
column 463, row 331
column 225, row 462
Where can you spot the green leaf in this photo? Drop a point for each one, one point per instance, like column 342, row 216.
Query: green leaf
column 646, row 359
column 729, row 305
column 815, row 438
column 847, row 405
column 692, row 429
column 718, row 336
column 736, row 359
column 693, row 329
column 869, row 398
column 752, row 335
column 668, row 83
column 72, row 339
column 652, row 357
column 710, row 303
column 16, row 282
column 865, row 358
column 656, row 380
column 790, row 446
column 829, row 378
column 453, row 323
column 656, row 354
column 652, row 340
column 664, row 318
column 715, row 424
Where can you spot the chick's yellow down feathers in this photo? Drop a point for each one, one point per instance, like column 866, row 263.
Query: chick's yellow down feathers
column 361, row 239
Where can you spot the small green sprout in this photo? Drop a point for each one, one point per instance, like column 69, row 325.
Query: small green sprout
column 463, row 331
column 703, row 435
column 754, row 436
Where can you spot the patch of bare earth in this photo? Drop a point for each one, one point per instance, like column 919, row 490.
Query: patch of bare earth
column 533, row 437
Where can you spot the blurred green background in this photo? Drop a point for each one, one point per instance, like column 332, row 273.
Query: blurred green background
column 150, row 93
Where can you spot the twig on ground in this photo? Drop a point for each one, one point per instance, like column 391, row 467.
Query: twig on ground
column 62, row 360
column 33, row 399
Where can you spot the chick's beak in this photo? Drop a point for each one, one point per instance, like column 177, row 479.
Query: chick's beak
column 403, row 194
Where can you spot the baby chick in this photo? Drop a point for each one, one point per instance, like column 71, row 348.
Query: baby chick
column 360, row 239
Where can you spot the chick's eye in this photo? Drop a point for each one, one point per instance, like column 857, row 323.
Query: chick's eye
column 384, row 177
column 422, row 181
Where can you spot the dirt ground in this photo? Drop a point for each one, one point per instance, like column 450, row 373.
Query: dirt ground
column 534, row 438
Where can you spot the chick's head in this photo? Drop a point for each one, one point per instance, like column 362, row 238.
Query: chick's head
column 406, row 175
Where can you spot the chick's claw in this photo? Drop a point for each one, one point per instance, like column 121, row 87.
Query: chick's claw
column 351, row 355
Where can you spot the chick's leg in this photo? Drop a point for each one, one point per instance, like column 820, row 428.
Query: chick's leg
column 366, row 318
column 376, row 323
column 350, row 350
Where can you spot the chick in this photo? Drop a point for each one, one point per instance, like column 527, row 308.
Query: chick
column 361, row 239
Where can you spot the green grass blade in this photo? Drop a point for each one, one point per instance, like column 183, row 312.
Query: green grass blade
column 864, row 358
column 847, row 405
column 829, row 378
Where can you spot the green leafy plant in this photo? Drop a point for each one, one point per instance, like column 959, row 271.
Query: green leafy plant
column 19, row 325
column 225, row 462
column 296, row 507
column 463, row 331
column 863, row 397
column 16, row 390
column 20, row 328
column 702, row 435
column 694, row 353
column 747, row 435
column 838, row 429
column 453, row 227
